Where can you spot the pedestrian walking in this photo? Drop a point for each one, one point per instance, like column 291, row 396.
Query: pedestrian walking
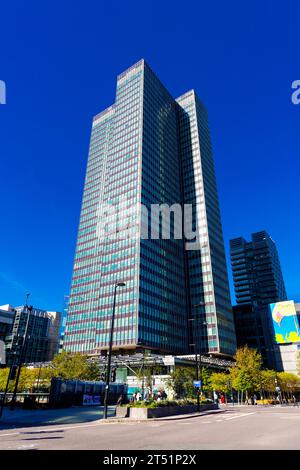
column 119, row 401
column 295, row 403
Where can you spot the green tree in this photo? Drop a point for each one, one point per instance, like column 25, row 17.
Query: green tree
column 181, row 380
column 68, row 365
column 3, row 378
column 205, row 374
column 268, row 378
column 288, row 382
column 93, row 371
column 219, row 381
column 28, row 378
column 245, row 374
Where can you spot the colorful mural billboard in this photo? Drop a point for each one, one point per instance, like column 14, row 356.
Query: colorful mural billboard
column 285, row 322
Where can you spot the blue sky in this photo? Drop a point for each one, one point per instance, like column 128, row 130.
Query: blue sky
column 60, row 60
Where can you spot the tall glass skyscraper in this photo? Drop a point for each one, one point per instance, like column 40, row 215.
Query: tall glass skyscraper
column 149, row 149
column 256, row 270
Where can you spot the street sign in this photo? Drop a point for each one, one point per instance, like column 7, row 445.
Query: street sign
column 89, row 400
column 169, row 360
column 197, row 383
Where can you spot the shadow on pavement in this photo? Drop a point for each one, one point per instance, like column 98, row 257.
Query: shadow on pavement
column 24, row 418
column 43, row 432
column 42, row 438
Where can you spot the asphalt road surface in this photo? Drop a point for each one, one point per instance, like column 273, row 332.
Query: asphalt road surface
column 236, row 427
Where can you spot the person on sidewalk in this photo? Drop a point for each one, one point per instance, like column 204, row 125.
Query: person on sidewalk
column 119, row 401
column 295, row 403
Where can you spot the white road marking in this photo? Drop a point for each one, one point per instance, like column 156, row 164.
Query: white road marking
column 11, row 434
column 290, row 417
column 240, row 416
column 26, row 446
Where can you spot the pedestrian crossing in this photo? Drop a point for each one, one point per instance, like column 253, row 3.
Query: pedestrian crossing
column 202, row 420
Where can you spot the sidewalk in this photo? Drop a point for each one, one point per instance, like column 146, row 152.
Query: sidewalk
column 54, row 416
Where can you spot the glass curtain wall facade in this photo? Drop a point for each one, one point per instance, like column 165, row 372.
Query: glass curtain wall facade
column 163, row 321
column 256, row 270
column 146, row 148
column 42, row 339
column 210, row 304
column 113, row 171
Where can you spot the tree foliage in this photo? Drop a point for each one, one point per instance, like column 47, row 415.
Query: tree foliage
column 181, row 380
column 246, row 372
column 288, row 382
column 67, row 365
column 220, row 382
column 268, row 378
column 27, row 382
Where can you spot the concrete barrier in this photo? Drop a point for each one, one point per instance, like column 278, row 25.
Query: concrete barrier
column 122, row 411
column 162, row 411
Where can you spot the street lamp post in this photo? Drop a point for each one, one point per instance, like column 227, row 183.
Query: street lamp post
column 197, row 378
column 118, row 284
column 262, row 392
column 198, row 363
column 204, row 323
column 278, row 390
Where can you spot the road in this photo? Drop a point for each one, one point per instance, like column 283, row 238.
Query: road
column 233, row 428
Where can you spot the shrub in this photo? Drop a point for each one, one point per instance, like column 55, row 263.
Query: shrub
column 162, row 403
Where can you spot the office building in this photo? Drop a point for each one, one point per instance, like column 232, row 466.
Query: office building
column 256, row 270
column 6, row 320
column 258, row 282
column 149, row 148
column 252, row 327
column 42, row 337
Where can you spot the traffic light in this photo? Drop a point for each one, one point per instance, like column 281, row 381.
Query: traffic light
column 13, row 372
column 113, row 374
